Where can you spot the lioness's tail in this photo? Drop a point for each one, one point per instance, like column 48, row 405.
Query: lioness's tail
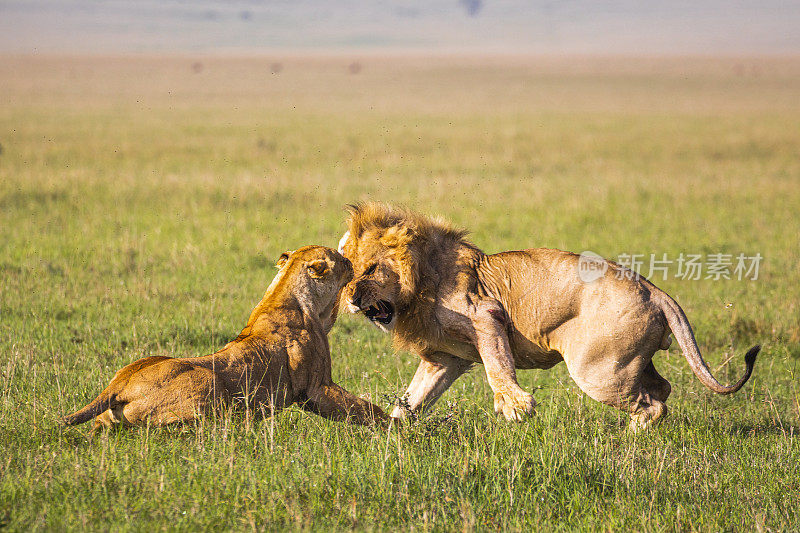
column 106, row 400
column 680, row 327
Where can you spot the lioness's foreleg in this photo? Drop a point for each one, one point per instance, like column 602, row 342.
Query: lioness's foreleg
column 336, row 403
column 434, row 375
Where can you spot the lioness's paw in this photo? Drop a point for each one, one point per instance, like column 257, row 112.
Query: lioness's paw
column 515, row 406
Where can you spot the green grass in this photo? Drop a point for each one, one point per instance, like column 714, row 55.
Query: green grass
column 143, row 205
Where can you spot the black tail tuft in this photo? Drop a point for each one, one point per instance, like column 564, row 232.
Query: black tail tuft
column 750, row 356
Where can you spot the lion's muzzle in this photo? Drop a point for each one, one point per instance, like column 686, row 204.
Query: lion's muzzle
column 364, row 299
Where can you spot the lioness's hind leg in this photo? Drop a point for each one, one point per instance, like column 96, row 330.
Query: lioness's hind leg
column 187, row 396
column 177, row 410
column 103, row 420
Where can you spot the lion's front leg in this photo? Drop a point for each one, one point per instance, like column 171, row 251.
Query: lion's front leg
column 489, row 322
column 436, row 372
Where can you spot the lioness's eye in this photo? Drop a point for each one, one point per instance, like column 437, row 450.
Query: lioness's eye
column 371, row 269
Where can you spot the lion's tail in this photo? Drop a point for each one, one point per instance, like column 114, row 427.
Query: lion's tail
column 680, row 327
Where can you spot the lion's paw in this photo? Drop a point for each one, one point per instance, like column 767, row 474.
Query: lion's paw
column 514, row 406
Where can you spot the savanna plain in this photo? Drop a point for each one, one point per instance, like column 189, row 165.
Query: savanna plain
column 144, row 201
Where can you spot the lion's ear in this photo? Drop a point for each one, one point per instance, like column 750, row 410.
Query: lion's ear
column 397, row 236
column 343, row 241
column 318, row 268
column 283, row 258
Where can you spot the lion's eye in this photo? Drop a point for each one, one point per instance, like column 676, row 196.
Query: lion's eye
column 371, row 269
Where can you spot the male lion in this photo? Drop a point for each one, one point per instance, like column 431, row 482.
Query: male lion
column 281, row 357
column 454, row 305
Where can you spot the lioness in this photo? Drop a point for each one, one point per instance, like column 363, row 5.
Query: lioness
column 454, row 305
column 281, row 357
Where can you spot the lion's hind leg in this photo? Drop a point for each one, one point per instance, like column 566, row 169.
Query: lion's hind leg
column 658, row 387
column 645, row 407
column 635, row 387
column 650, row 407
column 646, row 411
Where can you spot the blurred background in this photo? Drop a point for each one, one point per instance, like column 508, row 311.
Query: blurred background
column 519, row 26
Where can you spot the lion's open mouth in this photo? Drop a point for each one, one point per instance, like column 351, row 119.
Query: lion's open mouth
column 382, row 312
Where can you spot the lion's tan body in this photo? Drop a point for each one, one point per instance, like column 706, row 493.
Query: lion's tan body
column 280, row 358
column 454, row 305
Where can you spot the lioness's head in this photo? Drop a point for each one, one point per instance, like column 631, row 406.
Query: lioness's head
column 388, row 247
column 315, row 275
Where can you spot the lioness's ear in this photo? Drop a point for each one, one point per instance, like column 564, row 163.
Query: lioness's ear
column 283, row 258
column 318, row 268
